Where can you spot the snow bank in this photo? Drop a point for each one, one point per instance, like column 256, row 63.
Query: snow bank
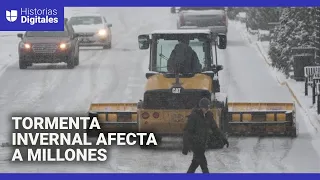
column 296, row 88
column 242, row 15
column 8, row 51
column 264, row 32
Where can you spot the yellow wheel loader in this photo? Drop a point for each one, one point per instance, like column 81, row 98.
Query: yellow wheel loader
column 170, row 97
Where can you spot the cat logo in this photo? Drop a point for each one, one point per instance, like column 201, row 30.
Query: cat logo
column 176, row 90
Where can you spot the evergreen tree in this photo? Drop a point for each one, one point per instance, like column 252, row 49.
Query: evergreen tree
column 258, row 18
column 296, row 30
column 233, row 11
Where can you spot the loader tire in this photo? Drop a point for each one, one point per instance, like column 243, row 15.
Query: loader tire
column 22, row 64
column 92, row 132
column 108, row 46
column 224, row 120
column 293, row 134
column 76, row 59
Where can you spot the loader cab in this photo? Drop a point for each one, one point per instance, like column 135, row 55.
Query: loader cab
column 161, row 44
column 175, row 90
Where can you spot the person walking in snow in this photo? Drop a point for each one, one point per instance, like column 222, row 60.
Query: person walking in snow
column 196, row 134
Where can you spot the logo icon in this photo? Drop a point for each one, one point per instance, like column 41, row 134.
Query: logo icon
column 12, row 15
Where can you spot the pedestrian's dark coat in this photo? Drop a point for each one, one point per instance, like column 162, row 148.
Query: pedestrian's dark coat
column 198, row 130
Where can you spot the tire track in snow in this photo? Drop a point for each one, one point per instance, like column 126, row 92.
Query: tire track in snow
column 29, row 98
column 229, row 158
column 303, row 115
column 38, row 88
column 79, row 86
column 256, row 158
column 229, row 82
column 266, row 157
column 277, row 161
column 58, row 77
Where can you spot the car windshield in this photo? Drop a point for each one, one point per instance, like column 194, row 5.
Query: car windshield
column 47, row 33
column 85, row 20
column 165, row 47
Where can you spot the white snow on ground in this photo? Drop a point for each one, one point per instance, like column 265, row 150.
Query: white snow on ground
column 7, row 56
column 296, row 88
column 249, row 79
column 118, row 75
column 242, row 14
column 263, row 32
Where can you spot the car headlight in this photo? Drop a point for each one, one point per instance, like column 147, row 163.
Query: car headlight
column 64, row 45
column 102, row 32
column 25, row 45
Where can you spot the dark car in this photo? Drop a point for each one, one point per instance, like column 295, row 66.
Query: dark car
column 49, row 47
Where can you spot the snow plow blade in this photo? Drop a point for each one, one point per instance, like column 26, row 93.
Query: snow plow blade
column 261, row 119
column 115, row 117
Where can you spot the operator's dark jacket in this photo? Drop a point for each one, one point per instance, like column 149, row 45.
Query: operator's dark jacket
column 198, row 129
column 184, row 54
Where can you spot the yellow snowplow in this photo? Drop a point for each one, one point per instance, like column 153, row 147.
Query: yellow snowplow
column 170, row 97
column 261, row 119
column 115, row 117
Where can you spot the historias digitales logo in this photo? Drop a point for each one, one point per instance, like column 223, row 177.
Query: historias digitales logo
column 33, row 16
column 26, row 16
column 11, row 15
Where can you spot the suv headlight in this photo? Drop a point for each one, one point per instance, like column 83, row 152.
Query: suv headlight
column 102, row 32
column 25, row 45
column 65, row 45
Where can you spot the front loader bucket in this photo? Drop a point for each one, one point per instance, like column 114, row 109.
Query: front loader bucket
column 115, row 117
column 261, row 119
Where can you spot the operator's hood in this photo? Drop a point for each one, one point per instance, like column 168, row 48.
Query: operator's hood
column 87, row 28
column 198, row 81
column 45, row 39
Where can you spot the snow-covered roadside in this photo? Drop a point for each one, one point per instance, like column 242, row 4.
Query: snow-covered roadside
column 9, row 34
column 296, row 88
column 8, row 52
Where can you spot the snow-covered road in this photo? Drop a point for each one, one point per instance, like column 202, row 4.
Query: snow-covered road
column 117, row 75
column 248, row 79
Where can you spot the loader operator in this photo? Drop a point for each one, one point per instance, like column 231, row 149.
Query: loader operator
column 183, row 59
column 199, row 128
